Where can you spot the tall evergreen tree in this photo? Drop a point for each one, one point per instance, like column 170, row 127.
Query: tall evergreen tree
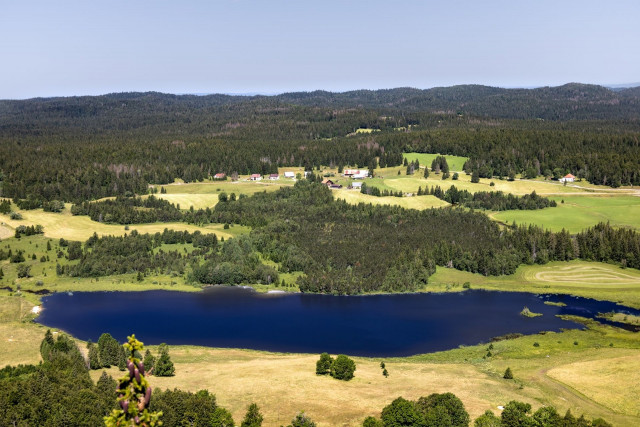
column 253, row 418
column 164, row 366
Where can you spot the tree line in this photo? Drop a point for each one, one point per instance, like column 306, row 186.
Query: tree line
column 85, row 148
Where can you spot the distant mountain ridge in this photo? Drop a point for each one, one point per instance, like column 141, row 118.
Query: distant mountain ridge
column 572, row 101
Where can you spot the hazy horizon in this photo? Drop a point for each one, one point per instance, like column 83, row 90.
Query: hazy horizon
column 75, row 48
column 249, row 94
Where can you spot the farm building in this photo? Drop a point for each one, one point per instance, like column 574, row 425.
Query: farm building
column 568, row 178
column 289, row 175
column 219, row 176
column 274, row 176
column 255, row 177
column 356, row 173
column 328, row 182
column 356, row 185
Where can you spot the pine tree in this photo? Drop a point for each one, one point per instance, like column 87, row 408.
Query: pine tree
column 122, row 359
column 508, row 375
column 164, row 366
column 1, row 273
column 47, row 345
column 149, row 361
column 94, row 357
column 426, row 172
column 134, row 393
column 253, row 418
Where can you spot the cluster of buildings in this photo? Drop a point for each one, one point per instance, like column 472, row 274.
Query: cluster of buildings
column 257, row 176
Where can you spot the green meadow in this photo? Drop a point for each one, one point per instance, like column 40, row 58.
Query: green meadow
column 595, row 280
column 455, row 162
column 575, row 213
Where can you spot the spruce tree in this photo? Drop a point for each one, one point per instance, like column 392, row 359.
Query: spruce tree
column 253, row 418
column 508, row 375
column 164, row 366
column 149, row 361
column 94, row 357
column 46, row 345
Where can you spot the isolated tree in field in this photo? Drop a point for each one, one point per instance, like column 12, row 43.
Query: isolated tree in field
column 164, row 366
column 1, row 273
column 134, row 393
column 343, row 368
column 323, row 365
column 508, row 375
column 385, row 373
column 302, row 420
column 253, row 418
column 23, row 270
column 426, row 172
column 475, row 176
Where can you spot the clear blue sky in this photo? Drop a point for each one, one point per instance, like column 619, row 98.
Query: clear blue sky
column 50, row 48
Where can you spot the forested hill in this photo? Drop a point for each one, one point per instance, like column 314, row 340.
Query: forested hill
column 572, row 101
column 81, row 148
column 569, row 102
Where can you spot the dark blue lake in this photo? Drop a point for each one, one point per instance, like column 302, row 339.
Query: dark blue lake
column 376, row 325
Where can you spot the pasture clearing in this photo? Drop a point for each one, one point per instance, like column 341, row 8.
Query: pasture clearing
column 455, row 162
column 71, row 227
column 580, row 278
column 579, row 212
column 416, row 202
column 518, row 187
column 242, row 186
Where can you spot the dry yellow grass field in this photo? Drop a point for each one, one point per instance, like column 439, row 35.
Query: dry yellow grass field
column 416, row 202
column 614, row 384
column 283, row 385
column 67, row 226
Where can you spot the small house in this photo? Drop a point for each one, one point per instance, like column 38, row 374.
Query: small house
column 362, row 174
column 328, row 182
column 219, row 176
column 356, row 173
column 568, row 178
column 274, row 176
column 356, row 185
column 255, row 177
column 289, row 175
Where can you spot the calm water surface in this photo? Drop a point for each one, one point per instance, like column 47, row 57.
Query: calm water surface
column 377, row 325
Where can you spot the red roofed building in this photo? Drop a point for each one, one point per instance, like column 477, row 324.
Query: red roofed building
column 568, row 178
column 256, row 177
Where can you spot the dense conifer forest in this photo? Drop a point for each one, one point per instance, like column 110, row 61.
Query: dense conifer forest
column 82, row 148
